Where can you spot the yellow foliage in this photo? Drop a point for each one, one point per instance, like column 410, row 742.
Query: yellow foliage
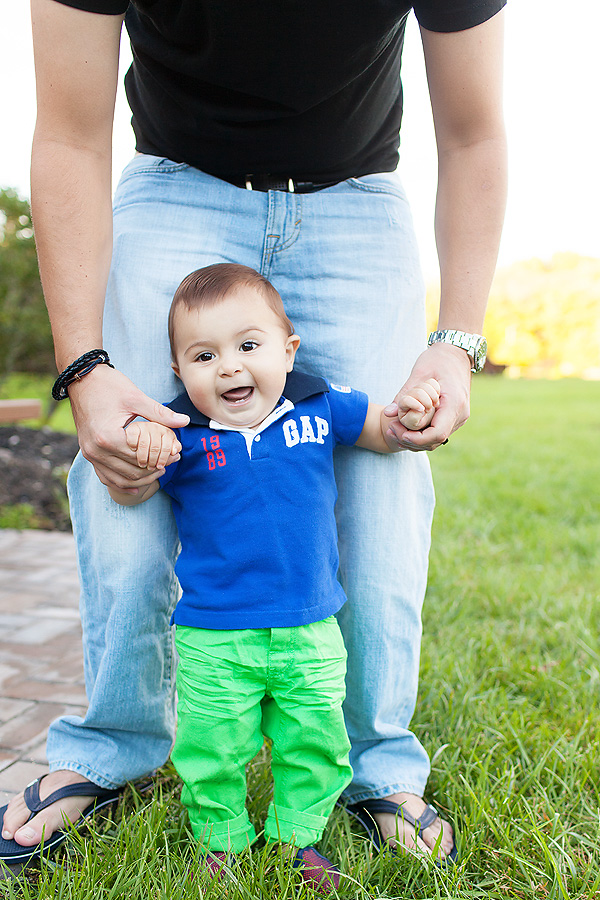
column 543, row 318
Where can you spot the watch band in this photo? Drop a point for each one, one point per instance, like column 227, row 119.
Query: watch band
column 475, row 345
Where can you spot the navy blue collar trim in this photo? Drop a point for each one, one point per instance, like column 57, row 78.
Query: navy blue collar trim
column 298, row 386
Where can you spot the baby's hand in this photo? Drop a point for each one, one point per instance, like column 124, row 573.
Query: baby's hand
column 416, row 410
column 155, row 445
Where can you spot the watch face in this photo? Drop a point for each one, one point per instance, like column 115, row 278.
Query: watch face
column 480, row 355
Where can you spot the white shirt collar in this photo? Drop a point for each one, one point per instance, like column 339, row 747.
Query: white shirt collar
column 284, row 406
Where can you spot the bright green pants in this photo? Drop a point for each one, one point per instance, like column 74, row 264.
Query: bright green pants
column 236, row 687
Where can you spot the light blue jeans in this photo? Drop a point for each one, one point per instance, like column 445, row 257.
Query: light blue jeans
column 345, row 262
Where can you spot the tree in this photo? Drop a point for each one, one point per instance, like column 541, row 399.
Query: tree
column 543, row 318
column 25, row 336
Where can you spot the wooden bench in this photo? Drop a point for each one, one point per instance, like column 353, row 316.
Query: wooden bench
column 15, row 410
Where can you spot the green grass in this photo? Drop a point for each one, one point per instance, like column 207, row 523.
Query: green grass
column 509, row 677
column 508, row 705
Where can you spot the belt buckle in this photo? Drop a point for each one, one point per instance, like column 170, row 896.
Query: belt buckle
column 291, row 186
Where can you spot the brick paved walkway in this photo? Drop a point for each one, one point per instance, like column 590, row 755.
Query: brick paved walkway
column 41, row 673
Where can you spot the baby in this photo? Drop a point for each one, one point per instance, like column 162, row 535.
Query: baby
column 253, row 492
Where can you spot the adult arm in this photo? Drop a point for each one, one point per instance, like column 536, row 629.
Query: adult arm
column 464, row 72
column 76, row 61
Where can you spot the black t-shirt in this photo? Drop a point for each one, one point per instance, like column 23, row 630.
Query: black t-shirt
column 308, row 89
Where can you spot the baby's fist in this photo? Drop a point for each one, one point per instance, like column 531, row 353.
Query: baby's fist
column 417, row 409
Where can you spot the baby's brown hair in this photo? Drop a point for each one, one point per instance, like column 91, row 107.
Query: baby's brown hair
column 210, row 285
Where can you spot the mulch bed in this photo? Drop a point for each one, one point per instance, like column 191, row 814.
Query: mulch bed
column 34, row 466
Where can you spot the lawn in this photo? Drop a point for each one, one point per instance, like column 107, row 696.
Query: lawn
column 508, row 705
column 38, row 387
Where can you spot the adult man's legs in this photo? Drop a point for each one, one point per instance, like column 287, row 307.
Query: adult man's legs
column 344, row 260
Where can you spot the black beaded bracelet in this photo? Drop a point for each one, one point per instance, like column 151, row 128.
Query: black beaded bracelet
column 75, row 372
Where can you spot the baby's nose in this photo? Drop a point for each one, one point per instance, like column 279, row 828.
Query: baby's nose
column 230, row 364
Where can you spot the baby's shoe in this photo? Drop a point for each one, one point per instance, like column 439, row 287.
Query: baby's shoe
column 213, row 865
column 317, row 870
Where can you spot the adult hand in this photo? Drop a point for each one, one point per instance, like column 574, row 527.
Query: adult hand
column 450, row 366
column 103, row 403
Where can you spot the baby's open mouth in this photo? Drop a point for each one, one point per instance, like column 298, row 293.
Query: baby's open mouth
column 238, row 395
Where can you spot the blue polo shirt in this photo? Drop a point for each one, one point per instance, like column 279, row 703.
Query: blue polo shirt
column 255, row 510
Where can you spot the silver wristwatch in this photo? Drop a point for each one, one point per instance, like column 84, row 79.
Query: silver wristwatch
column 474, row 344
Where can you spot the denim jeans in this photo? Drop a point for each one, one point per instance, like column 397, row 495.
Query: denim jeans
column 345, row 262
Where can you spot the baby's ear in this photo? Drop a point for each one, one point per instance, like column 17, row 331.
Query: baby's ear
column 293, row 342
column 175, row 368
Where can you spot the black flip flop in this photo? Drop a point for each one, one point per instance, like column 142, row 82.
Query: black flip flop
column 363, row 813
column 12, row 853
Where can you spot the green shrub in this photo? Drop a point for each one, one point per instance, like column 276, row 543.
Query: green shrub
column 25, row 336
column 21, row 516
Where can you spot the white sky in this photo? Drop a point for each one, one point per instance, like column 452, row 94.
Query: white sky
column 552, row 101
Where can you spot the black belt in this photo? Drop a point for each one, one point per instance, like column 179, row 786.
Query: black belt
column 278, row 183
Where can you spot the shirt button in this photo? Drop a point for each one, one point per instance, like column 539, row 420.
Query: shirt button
column 257, row 438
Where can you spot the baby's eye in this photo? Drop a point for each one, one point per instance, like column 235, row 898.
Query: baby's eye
column 205, row 356
column 247, row 346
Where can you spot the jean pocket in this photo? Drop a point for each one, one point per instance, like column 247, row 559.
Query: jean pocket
column 380, row 183
column 145, row 164
column 155, row 169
